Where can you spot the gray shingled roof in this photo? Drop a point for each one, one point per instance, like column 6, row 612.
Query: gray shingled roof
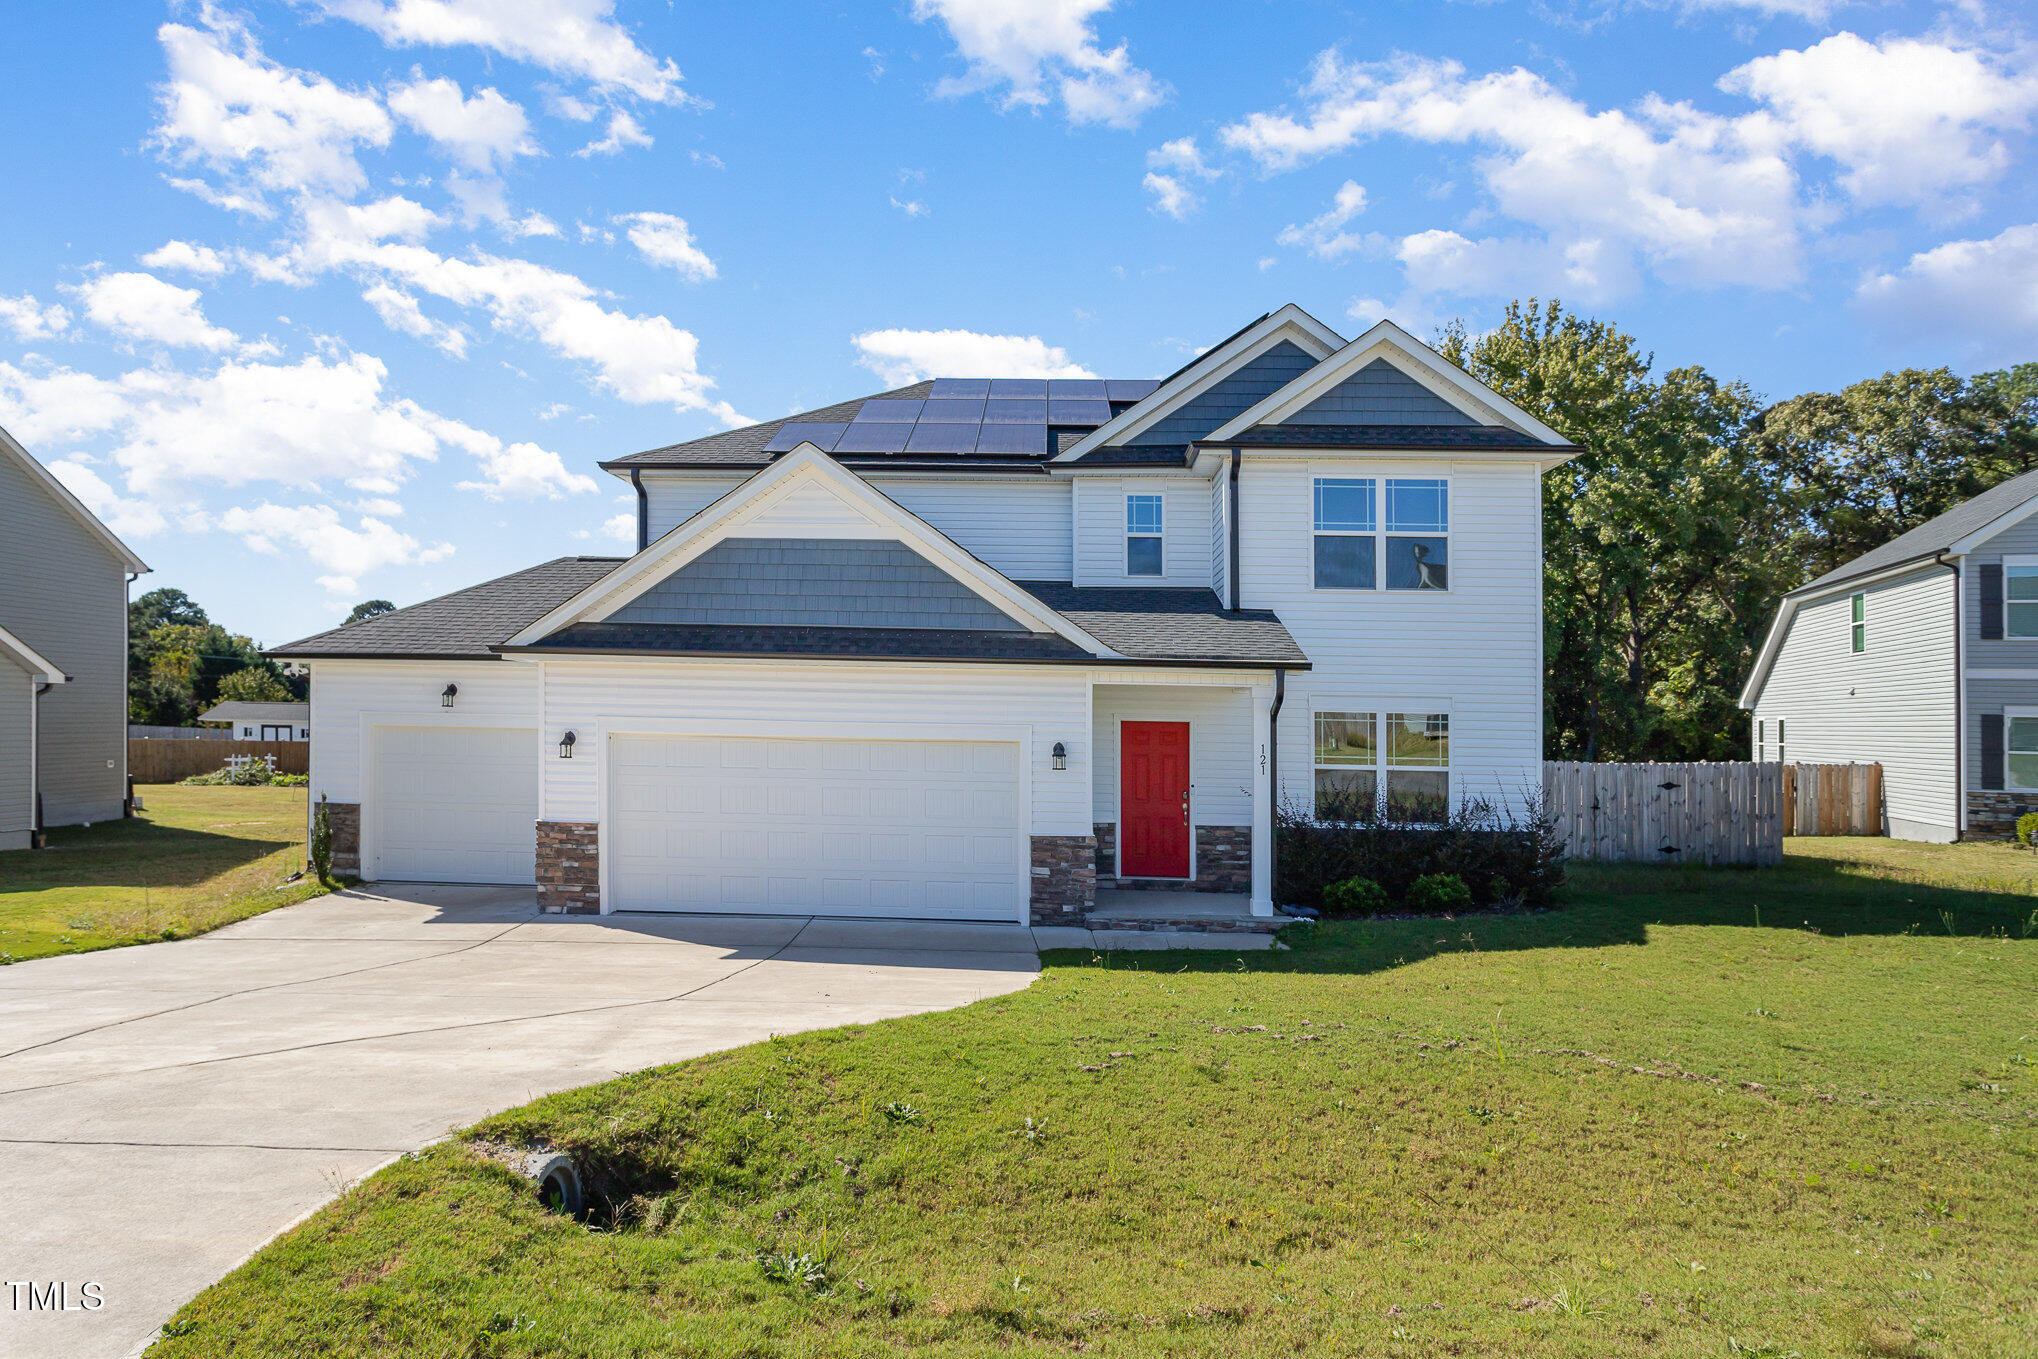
column 1935, row 535
column 889, row 644
column 1394, row 436
column 463, row 624
column 1164, row 624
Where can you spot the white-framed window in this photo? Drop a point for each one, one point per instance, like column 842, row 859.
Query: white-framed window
column 1761, row 740
column 1781, row 758
column 2020, row 597
column 1145, row 535
column 1381, row 532
column 1395, row 765
column 1858, row 623
column 2020, row 748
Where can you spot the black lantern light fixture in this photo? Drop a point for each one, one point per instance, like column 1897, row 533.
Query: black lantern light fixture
column 446, row 695
column 1061, row 756
column 566, row 746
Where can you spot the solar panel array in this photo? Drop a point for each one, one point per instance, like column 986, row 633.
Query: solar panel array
column 1002, row 417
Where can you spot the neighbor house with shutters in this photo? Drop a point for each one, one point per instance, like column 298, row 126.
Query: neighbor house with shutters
column 978, row 647
column 1921, row 656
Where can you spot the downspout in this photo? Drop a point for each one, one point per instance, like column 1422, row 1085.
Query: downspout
column 36, row 838
column 1959, row 702
column 643, row 509
column 126, row 658
column 1233, row 516
column 1274, row 776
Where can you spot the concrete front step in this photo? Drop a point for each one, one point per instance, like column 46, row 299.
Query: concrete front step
column 1190, row 924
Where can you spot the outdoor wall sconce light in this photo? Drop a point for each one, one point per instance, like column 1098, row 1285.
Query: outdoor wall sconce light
column 1061, row 756
column 446, row 695
column 566, row 746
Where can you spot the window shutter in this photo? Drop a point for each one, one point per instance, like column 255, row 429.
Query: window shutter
column 1992, row 750
column 1992, row 610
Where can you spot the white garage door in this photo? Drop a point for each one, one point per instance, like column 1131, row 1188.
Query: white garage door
column 825, row 827
column 455, row 804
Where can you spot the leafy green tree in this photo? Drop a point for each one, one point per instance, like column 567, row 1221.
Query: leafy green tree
column 373, row 608
column 254, row 685
column 158, row 607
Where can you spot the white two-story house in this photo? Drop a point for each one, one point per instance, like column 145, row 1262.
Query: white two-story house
column 972, row 648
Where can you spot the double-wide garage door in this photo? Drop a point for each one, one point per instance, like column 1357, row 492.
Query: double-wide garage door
column 825, row 827
column 454, row 804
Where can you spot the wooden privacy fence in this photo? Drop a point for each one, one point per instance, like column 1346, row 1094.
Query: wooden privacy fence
column 169, row 761
column 1725, row 813
column 1832, row 799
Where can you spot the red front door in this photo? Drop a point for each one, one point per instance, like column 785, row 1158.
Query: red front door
column 1153, row 799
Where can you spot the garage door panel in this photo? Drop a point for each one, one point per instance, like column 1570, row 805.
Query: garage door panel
column 455, row 804
column 848, row 827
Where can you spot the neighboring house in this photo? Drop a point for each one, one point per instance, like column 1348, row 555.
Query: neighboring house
column 1922, row 656
column 973, row 647
column 262, row 721
column 63, row 655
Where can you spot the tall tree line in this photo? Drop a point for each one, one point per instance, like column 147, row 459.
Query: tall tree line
column 1695, row 506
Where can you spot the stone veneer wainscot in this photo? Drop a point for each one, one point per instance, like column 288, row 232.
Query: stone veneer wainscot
column 1064, row 878
column 1224, row 862
column 569, row 867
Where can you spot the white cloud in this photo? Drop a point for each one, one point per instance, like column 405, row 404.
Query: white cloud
column 577, row 38
column 400, row 311
column 1444, row 262
column 192, row 259
column 344, row 553
column 1983, row 293
column 483, row 132
column 29, row 319
column 1170, row 195
column 621, row 527
column 902, row 356
column 1702, row 199
column 128, row 517
column 1171, row 168
column 623, row 131
column 1325, row 235
column 1041, row 50
column 229, row 107
column 144, row 307
column 664, row 239
column 1907, row 119
column 1181, row 155
column 521, row 470
column 912, row 207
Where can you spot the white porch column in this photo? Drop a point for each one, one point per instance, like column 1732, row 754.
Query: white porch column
column 1263, row 801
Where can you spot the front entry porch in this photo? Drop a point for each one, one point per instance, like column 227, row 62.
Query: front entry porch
column 1131, row 908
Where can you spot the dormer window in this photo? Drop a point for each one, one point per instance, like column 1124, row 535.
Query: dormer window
column 1143, row 535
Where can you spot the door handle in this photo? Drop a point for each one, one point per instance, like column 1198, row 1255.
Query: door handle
column 1185, row 809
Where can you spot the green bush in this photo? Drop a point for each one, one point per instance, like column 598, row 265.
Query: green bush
column 1354, row 896
column 2027, row 828
column 320, row 848
column 1510, row 859
column 1439, row 894
column 253, row 774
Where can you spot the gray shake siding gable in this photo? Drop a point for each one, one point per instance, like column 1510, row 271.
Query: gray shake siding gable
column 1239, row 392
column 1380, row 394
column 67, row 598
column 786, row 582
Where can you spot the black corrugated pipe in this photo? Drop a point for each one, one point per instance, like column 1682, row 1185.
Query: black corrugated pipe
column 1234, row 530
column 643, row 510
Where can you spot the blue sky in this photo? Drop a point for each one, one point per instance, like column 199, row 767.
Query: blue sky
column 323, row 300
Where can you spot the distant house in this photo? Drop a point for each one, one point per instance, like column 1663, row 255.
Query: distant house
column 262, row 721
column 63, row 655
column 1922, row 656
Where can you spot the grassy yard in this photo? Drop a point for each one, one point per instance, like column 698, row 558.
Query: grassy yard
column 197, row 859
column 1694, row 1112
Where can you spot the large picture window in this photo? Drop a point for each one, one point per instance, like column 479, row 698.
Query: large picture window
column 1144, row 554
column 1394, row 765
column 1353, row 553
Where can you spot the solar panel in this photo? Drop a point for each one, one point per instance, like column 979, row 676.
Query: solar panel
column 930, row 438
column 874, row 436
column 890, row 409
column 1013, row 439
column 1036, row 387
column 965, row 388
column 1090, row 387
column 1130, row 389
column 796, row 432
column 940, row 412
column 1079, row 411
column 1005, row 412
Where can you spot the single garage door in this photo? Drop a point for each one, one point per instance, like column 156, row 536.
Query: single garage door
column 926, row 829
column 455, row 804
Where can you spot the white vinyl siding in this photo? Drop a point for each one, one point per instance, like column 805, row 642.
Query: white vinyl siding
column 1220, row 745
column 342, row 692
column 1100, row 530
column 17, row 742
column 674, row 500
column 1474, row 651
column 1891, row 704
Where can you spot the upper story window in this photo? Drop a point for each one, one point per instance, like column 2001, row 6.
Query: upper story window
column 1859, row 628
column 1351, row 553
column 2020, row 598
column 1143, row 535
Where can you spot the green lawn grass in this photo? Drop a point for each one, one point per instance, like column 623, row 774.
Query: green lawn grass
column 196, row 859
column 1693, row 1112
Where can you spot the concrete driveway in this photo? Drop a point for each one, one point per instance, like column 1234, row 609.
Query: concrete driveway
column 165, row 1110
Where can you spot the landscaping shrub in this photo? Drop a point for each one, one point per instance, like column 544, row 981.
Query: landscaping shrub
column 1439, row 894
column 1355, row 896
column 2027, row 828
column 1504, row 859
column 253, row 774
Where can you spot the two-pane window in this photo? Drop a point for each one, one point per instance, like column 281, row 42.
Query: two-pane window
column 1391, row 764
column 2020, row 752
column 1859, row 622
column 2020, row 599
column 1372, row 531
column 1143, row 535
